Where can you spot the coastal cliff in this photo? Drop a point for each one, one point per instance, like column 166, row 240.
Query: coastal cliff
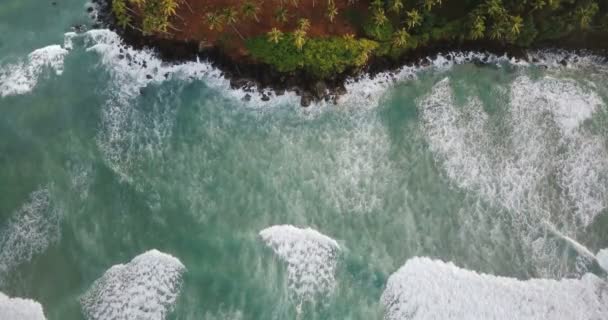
column 311, row 47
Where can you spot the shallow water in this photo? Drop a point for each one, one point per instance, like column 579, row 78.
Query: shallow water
column 493, row 167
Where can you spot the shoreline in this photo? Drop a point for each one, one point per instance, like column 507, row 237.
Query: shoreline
column 251, row 76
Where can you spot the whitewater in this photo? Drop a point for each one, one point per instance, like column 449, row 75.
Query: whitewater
column 466, row 186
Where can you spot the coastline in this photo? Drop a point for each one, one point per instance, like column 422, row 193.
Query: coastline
column 251, row 76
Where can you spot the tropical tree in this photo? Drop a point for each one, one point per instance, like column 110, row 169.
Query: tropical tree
column 215, row 21
column 275, row 35
column 516, row 24
column 400, row 38
column 299, row 38
column 139, row 3
column 304, row 24
column 379, row 17
column 413, row 18
column 119, row 8
column 377, row 4
column 496, row 32
column 250, row 9
column 332, row 11
column 584, row 14
column 478, row 27
column 169, row 7
column 231, row 16
column 281, row 15
column 396, row 6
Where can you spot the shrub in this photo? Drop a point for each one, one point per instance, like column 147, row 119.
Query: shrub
column 321, row 57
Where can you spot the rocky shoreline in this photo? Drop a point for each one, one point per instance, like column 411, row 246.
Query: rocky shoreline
column 250, row 75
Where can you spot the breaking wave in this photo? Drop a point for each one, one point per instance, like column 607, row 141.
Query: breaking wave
column 20, row 309
column 22, row 77
column 145, row 288
column 29, row 231
column 311, row 259
column 543, row 167
column 432, row 289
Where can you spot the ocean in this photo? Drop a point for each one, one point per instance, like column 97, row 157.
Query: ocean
column 470, row 186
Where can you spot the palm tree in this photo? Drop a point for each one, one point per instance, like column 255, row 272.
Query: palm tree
column 585, row 15
column 281, row 15
column 377, row 4
column 379, row 17
column 396, row 6
column 495, row 8
column 478, row 27
column 231, row 16
column 496, row 32
column 215, row 21
column 275, row 35
column 169, row 7
column 516, row 24
column 119, row 8
column 139, row 3
column 401, row 38
column 304, row 24
column 428, row 4
column 332, row 11
column 413, row 18
column 299, row 38
column 250, row 9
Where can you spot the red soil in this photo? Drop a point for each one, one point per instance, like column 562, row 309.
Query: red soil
column 191, row 21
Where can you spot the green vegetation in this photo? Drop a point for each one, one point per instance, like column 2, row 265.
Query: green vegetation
column 388, row 28
column 321, row 57
column 155, row 14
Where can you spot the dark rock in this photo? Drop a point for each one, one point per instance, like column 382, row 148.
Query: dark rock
column 90, row 9
column 265, row 97
column 240, row 83
column 144, row 64
column 129, row 56
column 95, row 26
column 121, row 56
column 148, row 76
column 167, row 75
column 306, row 100
column 320, row 89
column 340, row 90
column 247, row 97
column 564, row 62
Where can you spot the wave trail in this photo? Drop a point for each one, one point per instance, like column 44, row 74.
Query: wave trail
column 311, row 259
column 22, row 77
column 29, row 231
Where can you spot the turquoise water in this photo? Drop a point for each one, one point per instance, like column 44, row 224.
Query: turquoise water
column 102, row 160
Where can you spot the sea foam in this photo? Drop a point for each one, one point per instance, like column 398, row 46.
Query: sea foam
column 145, row 288
column 20, row 309
column 432, row 289
column 22, row 77
column 28, row 232
column 311, row 258
column 544, row 143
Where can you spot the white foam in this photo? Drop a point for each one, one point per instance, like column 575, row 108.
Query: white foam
column 602, row 259
column 432, row 289
column 22, row 77
column 20, row 309
column 311, row 258
column 145, row 288
column 515, row 168
column 29, row 231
